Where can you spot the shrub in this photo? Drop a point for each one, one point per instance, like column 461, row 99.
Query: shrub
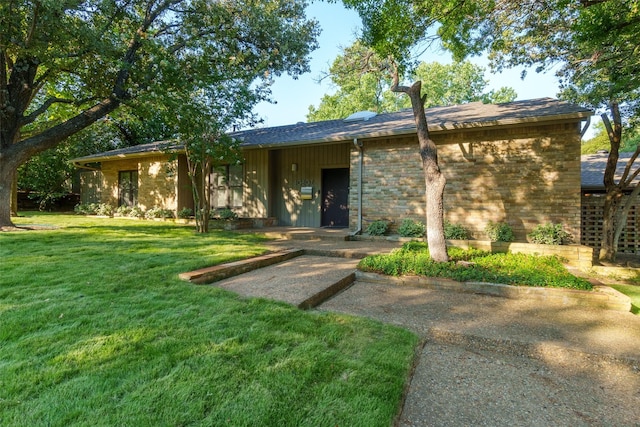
column 227, row 214
column 512, row 269
column 550, row 234
column 123, row 210
column 378, row 228
column 499, row 232
column 136, row 212
column 411, row 228
column 86, row 208
column 185, row 213
column 157, row 212
column 455, row 232
column 104, row 209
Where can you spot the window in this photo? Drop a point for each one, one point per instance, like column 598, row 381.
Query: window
column 127, row 188
column 226, row 183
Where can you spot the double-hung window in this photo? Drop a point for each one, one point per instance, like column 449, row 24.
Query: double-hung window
column 226, row 183
column 128, row 188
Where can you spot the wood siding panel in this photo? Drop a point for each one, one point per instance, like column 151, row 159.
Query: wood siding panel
column 256, row 184
column 289, row 208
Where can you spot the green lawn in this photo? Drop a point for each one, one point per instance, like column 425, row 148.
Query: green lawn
column 96, row 329
column 633, row 292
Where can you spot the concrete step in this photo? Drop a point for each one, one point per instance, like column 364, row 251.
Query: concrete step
column 304, row 281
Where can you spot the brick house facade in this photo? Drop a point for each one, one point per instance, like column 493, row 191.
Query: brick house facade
column 517, row 162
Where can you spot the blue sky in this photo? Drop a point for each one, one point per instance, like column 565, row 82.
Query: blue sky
column 339, row 29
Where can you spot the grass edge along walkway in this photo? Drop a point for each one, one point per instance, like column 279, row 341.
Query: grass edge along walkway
column 96, row 329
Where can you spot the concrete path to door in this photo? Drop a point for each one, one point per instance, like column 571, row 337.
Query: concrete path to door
column 484, row 360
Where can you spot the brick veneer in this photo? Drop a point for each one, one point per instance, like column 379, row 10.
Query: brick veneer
column 524, row 175
column 156, row 181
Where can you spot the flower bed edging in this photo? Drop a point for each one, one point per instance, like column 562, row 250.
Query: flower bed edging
column 601, row 297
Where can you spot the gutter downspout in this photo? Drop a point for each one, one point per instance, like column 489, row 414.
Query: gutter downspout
column 358, row 145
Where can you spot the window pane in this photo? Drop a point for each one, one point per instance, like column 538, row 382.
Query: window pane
column 235, row 175
column 236, row 197
column 221, row 198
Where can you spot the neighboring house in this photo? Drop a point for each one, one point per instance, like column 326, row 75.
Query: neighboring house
column 517, row 162
column 593, row 193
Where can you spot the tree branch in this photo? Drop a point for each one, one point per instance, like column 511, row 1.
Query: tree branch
column 52, row 136
column 614, row 133
column 45, row 106
column 624, row 182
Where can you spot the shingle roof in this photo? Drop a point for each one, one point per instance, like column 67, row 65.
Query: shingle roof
column 465, row 116
column 142, row 149
column 593, row 166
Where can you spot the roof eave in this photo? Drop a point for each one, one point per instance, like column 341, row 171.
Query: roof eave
column 440, row 127
column 81, row 162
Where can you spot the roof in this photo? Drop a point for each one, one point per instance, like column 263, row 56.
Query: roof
column 137, row 150
column 456, row 117
column 593, row 166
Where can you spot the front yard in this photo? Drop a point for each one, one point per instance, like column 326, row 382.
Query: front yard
column 96, row 329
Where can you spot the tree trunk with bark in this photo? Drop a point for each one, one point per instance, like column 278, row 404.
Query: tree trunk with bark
column 433, row 177
column 614, row 216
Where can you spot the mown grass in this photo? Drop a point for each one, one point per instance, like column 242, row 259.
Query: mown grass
column 479, row 266
column 96, row 329
column 633, row 292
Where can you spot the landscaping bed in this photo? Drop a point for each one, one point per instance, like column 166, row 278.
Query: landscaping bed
column 476, row 266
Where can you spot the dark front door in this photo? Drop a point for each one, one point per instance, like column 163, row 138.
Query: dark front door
column 335, row 197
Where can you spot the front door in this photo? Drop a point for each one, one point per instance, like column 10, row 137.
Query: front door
column 335, row 197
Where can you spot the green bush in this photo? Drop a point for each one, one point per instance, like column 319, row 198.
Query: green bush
column 499, row 232
column 511, row 269
column 157, row 212
column 136, row 212
column 550, row 234
column 104, row 209
column 227, row 214
column 93, row 209
column 86, row 208
column 185, row 213
column 411, row 228
column 455, row 231
column 378, row 228
column 123, row 210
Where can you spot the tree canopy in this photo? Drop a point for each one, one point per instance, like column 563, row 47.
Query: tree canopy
column 363, row 87
column 591, row 44
column 68, row 63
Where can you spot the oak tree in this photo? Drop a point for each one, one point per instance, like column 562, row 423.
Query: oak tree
column 89, row 57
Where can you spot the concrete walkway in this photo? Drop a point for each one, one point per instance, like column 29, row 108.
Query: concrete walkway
column 484, row 360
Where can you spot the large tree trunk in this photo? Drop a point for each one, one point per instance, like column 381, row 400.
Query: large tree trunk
column 434, row 179
column 8, row 169
column 14, row 195
column 608, row 247
column 5, row 198
column 613, row 190
column 621, row 221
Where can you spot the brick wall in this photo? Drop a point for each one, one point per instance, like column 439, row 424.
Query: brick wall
column 157, row 181
column 525, row 175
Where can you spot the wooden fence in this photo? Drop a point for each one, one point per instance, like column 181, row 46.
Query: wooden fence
column 591, row 233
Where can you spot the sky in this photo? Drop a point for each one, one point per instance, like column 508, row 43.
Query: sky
column 339, row 30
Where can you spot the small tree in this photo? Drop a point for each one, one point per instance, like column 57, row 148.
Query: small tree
column 204, row 153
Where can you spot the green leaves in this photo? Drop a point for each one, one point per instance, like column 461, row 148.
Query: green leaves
column 363, row 80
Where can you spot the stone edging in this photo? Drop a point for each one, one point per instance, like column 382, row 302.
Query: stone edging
column 230, row 269
column 601, row 297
